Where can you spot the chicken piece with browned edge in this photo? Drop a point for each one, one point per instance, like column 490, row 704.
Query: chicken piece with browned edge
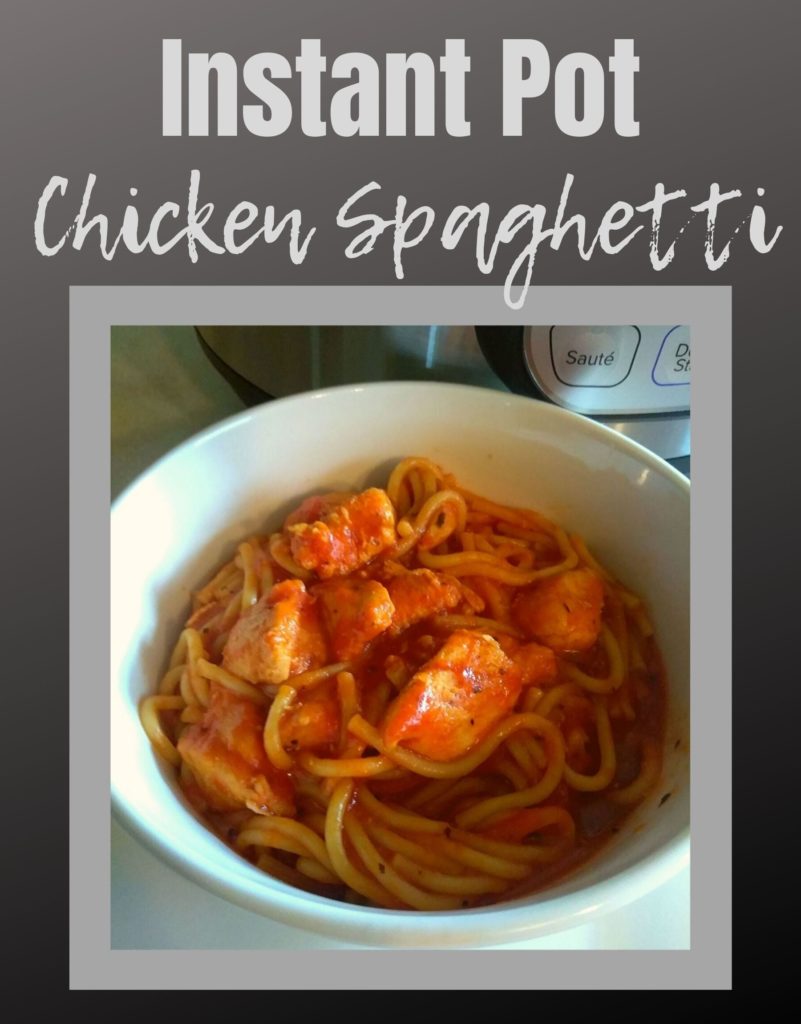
column 347, row 537
column 454, row 701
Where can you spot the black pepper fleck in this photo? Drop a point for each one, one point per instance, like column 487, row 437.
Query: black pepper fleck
column 664, row 798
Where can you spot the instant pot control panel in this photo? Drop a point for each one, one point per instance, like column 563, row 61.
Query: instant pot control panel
column 633, row 378
column 611, row 371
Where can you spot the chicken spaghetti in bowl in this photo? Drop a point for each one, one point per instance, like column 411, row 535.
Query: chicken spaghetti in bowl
column 414, row 697
column 220, row 542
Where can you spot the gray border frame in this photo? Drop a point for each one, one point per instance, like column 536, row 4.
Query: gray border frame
column 93, row 964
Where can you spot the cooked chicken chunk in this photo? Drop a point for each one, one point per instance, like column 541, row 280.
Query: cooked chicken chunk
column 346, row 538
column 455, row 699
column 226, row 754
column 563, row 612
column 278, row 637
column 354, row 612
column 537, row 664
column 311, row 723
column 317, row 506
column 419, row 594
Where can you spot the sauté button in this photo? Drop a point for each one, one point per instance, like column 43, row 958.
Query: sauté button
column 593, row 357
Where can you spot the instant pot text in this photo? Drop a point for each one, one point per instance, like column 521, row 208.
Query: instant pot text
column 374, row 100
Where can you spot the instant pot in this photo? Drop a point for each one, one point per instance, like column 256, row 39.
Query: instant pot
column 633, row 378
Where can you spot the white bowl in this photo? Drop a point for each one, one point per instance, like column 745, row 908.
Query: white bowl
column 186, row 514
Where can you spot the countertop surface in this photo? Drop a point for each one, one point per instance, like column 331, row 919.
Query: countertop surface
column 164, row 389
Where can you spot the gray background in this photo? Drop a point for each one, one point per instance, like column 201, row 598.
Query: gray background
column 717, row 99
column 92, row 313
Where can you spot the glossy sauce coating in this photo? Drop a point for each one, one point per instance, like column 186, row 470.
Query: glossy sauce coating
column 344, row 702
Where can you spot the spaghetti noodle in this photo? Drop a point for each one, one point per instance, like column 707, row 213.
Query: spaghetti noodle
column 416, row 698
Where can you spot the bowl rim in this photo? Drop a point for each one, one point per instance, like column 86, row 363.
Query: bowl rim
column 601, row 430
column 492, row 925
